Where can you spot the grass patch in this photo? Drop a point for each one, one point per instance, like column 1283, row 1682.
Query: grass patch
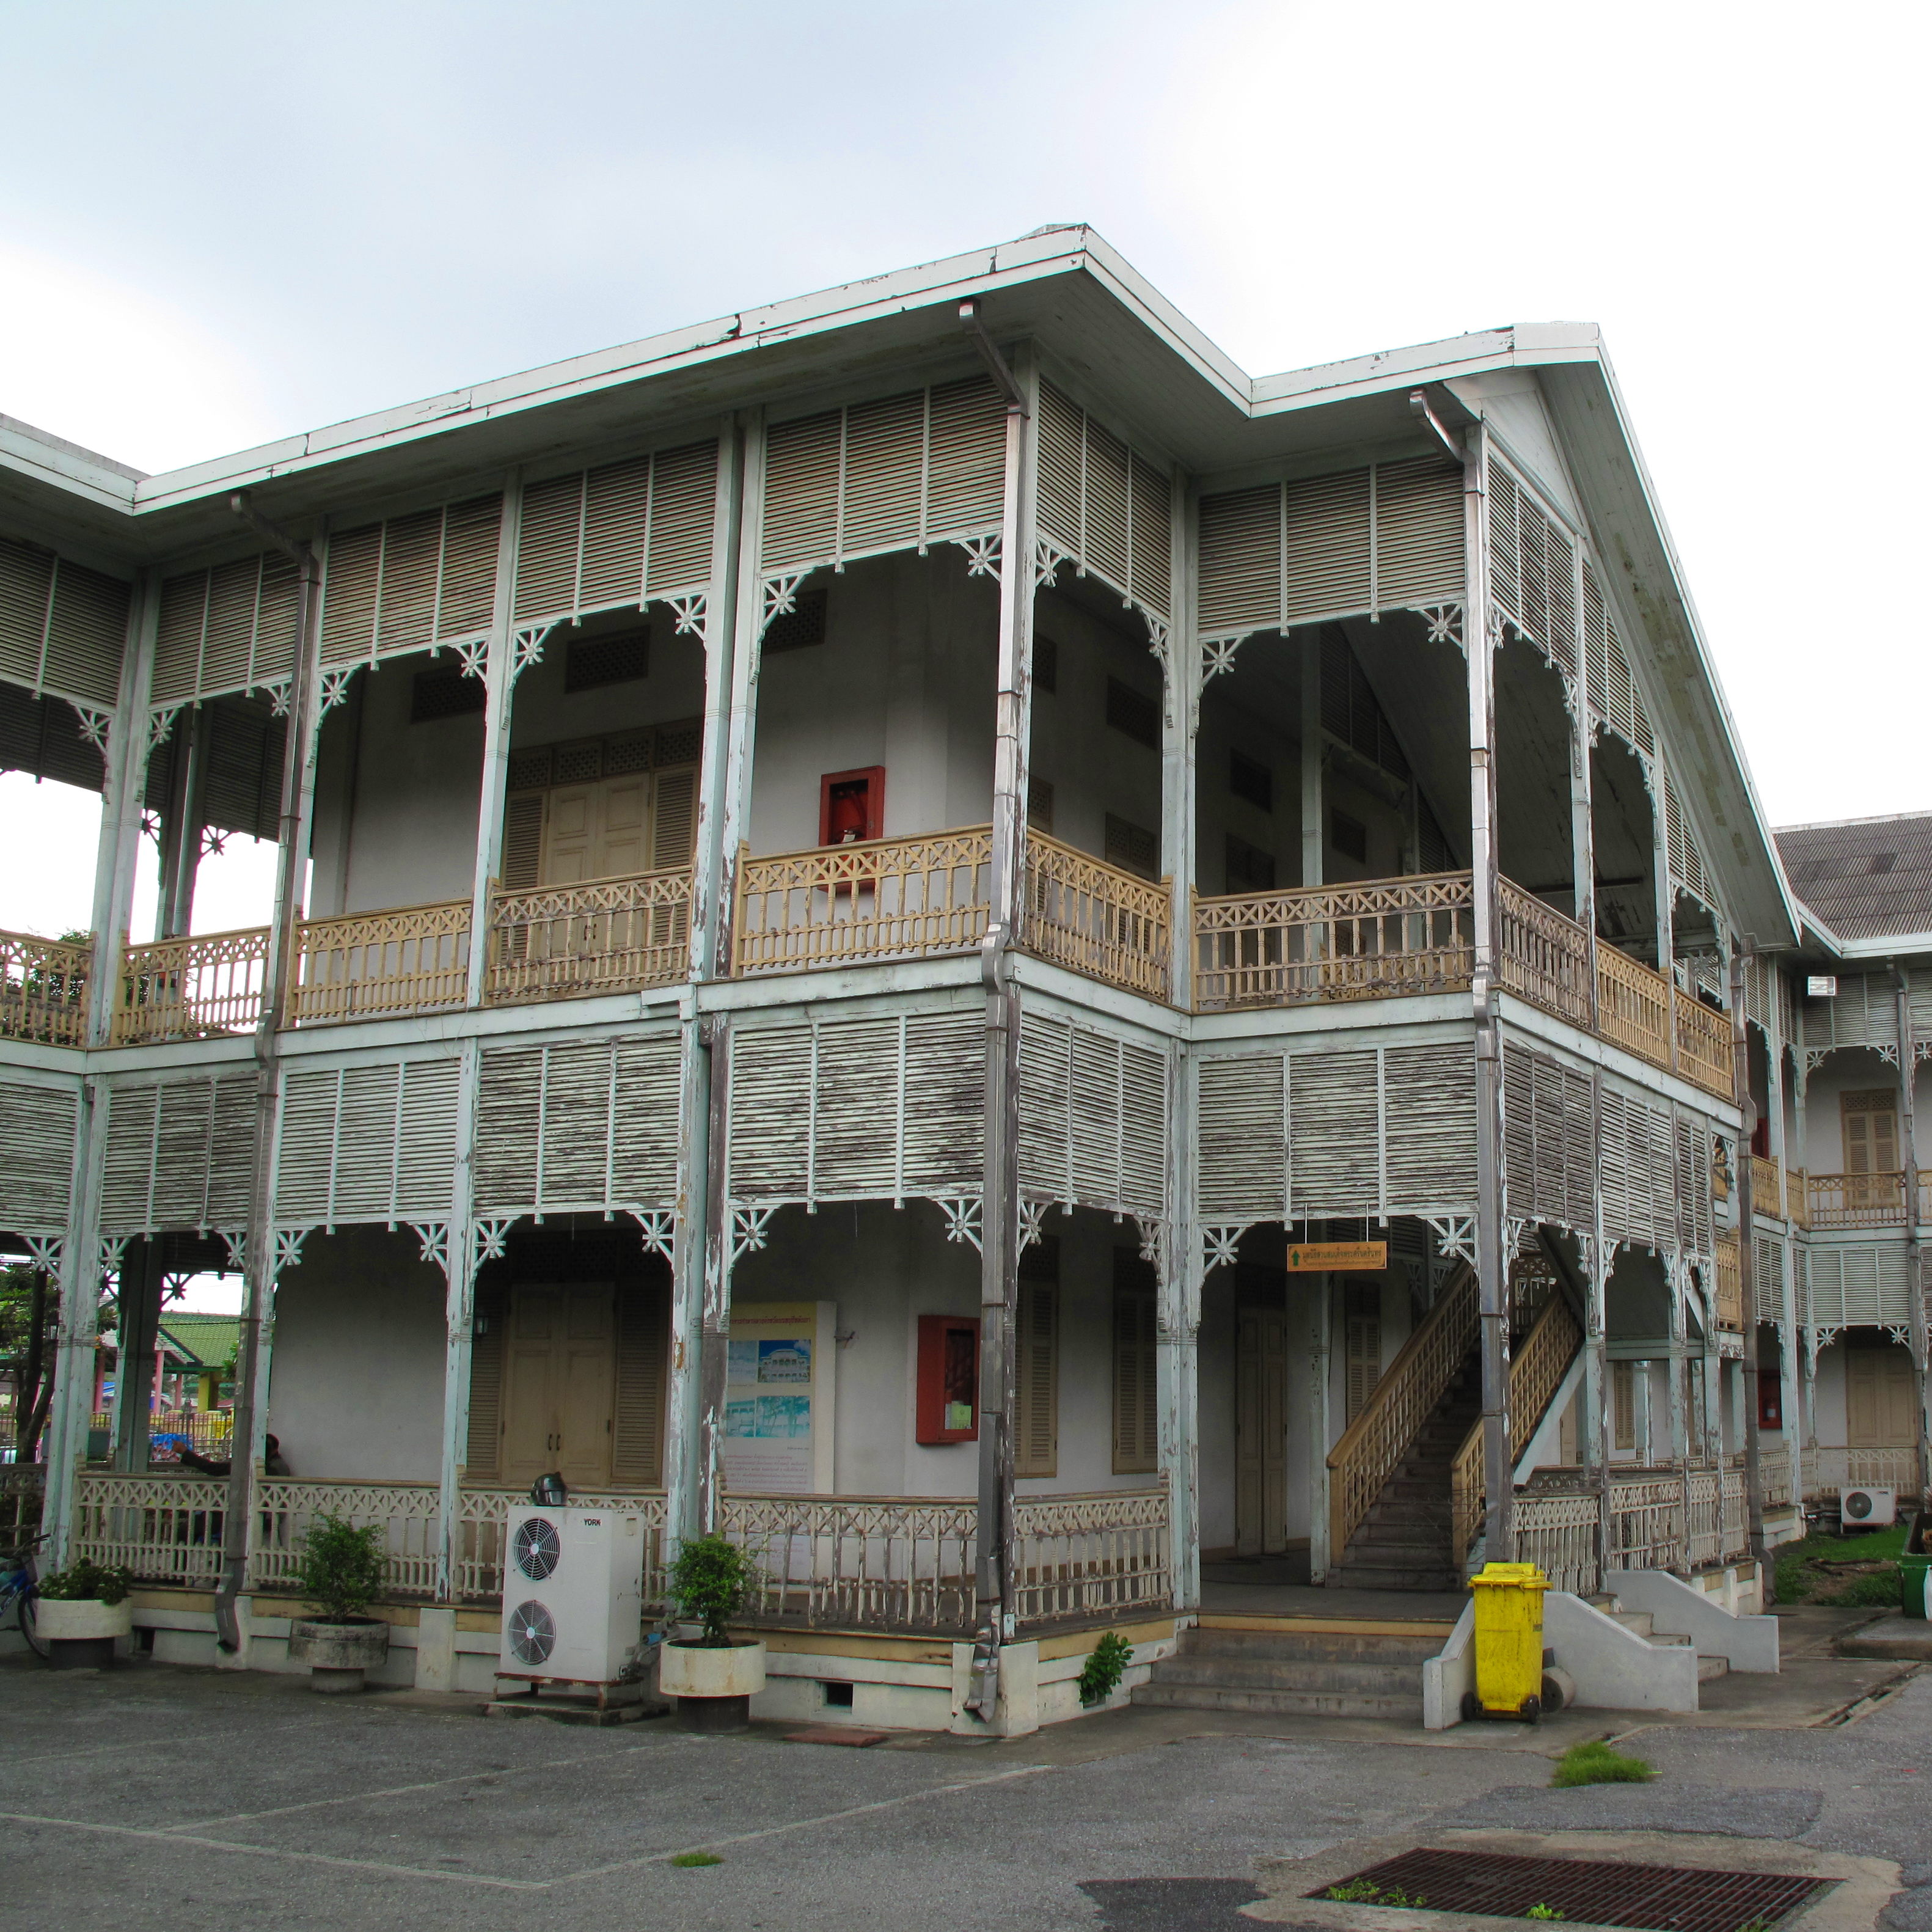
column 689, row 1859
column 1802, row 1574
column 1596, row 1763
column 1365, row 1891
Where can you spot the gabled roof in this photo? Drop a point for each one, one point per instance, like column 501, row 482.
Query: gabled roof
column 1864, row 878
column 1088, row 309
column 209, row 1339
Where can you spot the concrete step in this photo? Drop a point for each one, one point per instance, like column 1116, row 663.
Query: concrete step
column 1355, row 1576
column 1283, row 1644
column 1266, row 1673
column 1641, row 1621
column 1709, row 1667
column 1405, row 1709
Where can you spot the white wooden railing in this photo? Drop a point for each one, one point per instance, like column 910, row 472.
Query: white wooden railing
column 1104, row 1554
column 865, row 1562
column 1829, row 1471
column 165, row 1528
column 22, row 1485
column 1659, row 1519
column 287, row 1508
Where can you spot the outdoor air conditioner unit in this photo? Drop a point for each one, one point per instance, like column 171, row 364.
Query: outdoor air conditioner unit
column 573, row 1595
column 1868, row 1507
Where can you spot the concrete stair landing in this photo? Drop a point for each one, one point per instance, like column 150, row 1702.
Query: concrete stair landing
column 1643, row 1625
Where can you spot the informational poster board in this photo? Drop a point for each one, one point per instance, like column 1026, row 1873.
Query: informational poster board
column 780, row 1387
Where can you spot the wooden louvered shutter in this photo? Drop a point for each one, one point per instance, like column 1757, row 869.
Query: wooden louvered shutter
column 674, row 818
column 1871, row 1131
column 1363, row 1314
column 1623, row 1382
column 643, row 1332
column 523, row 842
column 481, row 1456
column 1136, row 1355
column 38, row 1125
column 1036, row 1363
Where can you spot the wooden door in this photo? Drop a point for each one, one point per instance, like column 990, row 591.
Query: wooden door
column 1260, row 1433
column 559, row 1370
column 1879, row 1397
column 1362, row 1308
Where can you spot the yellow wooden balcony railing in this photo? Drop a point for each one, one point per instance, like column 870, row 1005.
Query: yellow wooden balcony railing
column 1797, row 1197
column 1372, row 1446
column 1374, row 940
column 1537, row 1370
column 878, row 899
column 1542, row 954
column 1767, row 1188
column 1704, row 1046
column 1730, row 1283
column 408, row 959
column 1858, row 1200
column 1085, row 913
column 1633, row 1005
column 601, row 936
column 191, row 988
column 43, row 989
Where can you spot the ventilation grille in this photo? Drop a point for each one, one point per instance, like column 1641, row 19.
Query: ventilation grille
column 619, row 535
column 585, row 759
column 1338, row 546
column 63, row 628
column 902, row 473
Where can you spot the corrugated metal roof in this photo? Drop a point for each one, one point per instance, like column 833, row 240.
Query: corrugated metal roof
column 1864, row 877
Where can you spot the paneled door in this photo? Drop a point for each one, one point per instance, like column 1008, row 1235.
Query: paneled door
column 1261, row 1438
column 560, row 1381
column 1879, row 1397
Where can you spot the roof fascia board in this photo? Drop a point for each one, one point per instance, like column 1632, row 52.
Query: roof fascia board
column 66, row 469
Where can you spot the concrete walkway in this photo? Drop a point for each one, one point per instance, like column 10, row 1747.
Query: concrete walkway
column 150, row 1796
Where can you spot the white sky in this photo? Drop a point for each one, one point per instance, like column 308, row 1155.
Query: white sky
column 222, row 222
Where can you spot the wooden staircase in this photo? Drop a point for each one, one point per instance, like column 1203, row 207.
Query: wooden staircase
column 1406, row 1541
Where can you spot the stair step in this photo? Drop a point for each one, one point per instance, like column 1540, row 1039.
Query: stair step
column 1375, row 1576
column 1403, row 1709
column 1709, row 1667
column 1287, row 1646
column 1641, row 1621
column 1265, row 1673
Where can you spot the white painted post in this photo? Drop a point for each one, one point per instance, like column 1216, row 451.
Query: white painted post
column 70, row 1410
column 500, row 678
column 1321, row 1558
column 459, row 1275
column 1313, row 830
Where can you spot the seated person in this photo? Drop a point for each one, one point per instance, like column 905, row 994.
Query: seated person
column 272, row 1464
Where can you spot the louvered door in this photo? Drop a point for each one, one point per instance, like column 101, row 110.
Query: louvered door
column 1036, row 1363
column 1136, row 1360
column 1260, row 1433
column 1880, row 1397
column 559, row 1375
column 1362, row 1307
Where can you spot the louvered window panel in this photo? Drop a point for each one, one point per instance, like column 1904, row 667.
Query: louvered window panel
column 63, row 627
column 1550, row 1149
column 1429, row 1107
column 38, row 1125
column 882, row 1109
column 900, row 473
column 1243, row 1138
column 229, row 628
column 1334, row 1134
column 589, row 1126
column 374, row 1144
column 180, row 1154
column 618, row 535
column 1092, row 1111
column 1036, row 1364
column 485, row 1443
column 1864, row 1013
column 1860, row 1285
column 643, row 1352
column 1103, row 506
column 1532, row 568
column 425, row 579
column 1687, row 861
column 1354, row 543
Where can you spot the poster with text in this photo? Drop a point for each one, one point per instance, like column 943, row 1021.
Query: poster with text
column 779, row 1390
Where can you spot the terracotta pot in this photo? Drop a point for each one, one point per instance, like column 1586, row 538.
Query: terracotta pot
column 80, row 1634
column 338, row 1653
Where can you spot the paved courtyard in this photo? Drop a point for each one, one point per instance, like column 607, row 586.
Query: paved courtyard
column 152, row 1796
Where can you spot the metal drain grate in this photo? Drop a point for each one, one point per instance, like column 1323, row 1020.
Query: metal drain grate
column 1661, row 1898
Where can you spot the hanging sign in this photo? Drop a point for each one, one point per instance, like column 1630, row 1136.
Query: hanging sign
column 1336, row 1257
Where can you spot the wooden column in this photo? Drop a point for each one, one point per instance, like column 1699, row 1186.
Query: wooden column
column 1582, row 826
column 182, row 824
column 1000, row 1204
column 70, row 1410
column 1314, row 828
column 136, row 1338
column 1321, row 1325
column 709, row 958
column 500, row 679
column 459, row 1275
column 1492, row 1260
column 1914, row 1258
column 1741, row 963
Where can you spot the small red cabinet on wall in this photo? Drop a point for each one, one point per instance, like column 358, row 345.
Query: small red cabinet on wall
column 947, row 1408
column 852, row 805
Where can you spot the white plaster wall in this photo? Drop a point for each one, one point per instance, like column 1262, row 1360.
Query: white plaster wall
column 1215, row 1366
column 355, row 1380
column 905, row 678
column 544, row 713
column 1849, row 1070
column 1827, row 1397
column 1094, row 769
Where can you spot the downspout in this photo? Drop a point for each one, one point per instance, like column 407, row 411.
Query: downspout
column 1914, row 1285
column 258, row 1263
column 999, row 1230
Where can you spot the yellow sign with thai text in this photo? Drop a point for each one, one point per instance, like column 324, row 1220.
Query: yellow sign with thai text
column 1336, row 1257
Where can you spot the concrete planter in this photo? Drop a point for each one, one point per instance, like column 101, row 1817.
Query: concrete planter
column 714, row 1686
column 80, row 1635
column 337, row 1654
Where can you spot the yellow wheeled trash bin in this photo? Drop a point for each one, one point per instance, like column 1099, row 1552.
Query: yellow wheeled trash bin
column 1509, row 1642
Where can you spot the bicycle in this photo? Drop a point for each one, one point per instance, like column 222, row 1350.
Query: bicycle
column 17, row 1592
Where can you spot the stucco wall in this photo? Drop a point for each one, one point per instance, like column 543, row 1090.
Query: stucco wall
column 355, row 1383
column 1849, row 1070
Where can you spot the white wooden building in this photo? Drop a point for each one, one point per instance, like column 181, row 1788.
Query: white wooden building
column 853, row 878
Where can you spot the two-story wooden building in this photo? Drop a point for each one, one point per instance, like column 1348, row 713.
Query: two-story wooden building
column 858, row 883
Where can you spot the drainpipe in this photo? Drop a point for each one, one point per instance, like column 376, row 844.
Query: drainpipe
column 258, row 1258
column 1914, row 1281
column 1740, row 957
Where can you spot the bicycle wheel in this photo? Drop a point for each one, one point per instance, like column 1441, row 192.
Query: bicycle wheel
column 24, row 1611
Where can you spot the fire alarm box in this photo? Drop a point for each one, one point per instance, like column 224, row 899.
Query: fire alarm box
column 948, row 1405
column 1770, row 1399
column 852, row 806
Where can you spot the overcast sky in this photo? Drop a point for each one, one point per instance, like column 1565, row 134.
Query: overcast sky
column 220, row 223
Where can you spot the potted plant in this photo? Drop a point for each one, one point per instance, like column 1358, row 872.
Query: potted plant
column 340, row 1574
column 79, row 1613
column 715, row 1676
